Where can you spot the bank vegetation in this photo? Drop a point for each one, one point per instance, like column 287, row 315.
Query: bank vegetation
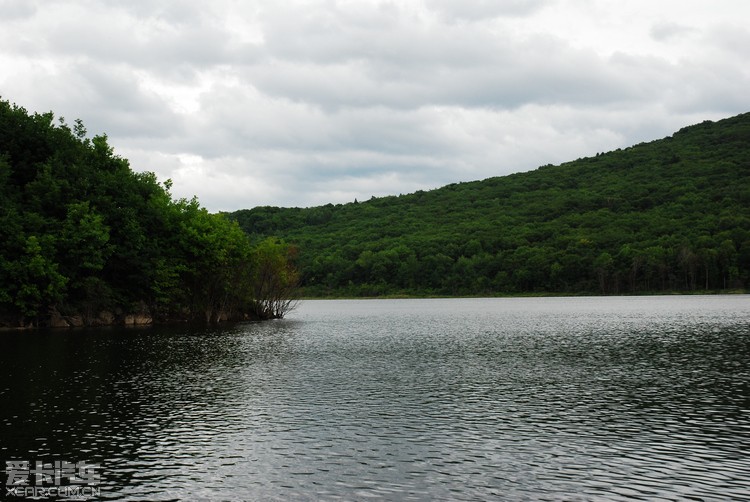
column 85, row 240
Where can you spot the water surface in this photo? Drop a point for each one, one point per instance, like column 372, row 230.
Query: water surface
column 471, row 399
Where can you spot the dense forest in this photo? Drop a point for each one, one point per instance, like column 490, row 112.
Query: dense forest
column 669, row 215
column 84, row 240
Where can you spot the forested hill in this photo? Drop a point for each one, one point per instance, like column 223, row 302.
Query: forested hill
column 669, row 215
column 84, row 240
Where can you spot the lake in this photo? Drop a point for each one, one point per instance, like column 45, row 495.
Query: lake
column 614, row 398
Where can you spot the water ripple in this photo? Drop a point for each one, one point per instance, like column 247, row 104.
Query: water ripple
column 516, row 399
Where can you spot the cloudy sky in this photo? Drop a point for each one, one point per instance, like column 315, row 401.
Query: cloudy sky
column 300, row 103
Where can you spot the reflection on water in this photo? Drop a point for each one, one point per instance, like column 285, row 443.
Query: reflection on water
column 521, row 399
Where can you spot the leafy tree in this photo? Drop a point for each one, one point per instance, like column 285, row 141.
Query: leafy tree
column 39, row 283
column 275, row 279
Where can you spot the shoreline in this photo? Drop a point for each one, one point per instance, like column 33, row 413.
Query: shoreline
column 400, row 296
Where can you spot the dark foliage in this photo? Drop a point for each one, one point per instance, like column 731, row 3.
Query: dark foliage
column 82, row 235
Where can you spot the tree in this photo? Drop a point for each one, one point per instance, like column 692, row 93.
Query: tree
column 275, row 279
column 603, row 267
column 39, row 284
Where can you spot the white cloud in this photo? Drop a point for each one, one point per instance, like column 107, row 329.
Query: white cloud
column 308, row 102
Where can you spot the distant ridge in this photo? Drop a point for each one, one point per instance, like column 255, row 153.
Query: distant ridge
column 667, row 215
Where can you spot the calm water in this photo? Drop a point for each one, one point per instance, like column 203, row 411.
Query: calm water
column 516, row 399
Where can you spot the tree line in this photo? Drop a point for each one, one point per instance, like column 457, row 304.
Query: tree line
column 85, row 240
column 668, row 215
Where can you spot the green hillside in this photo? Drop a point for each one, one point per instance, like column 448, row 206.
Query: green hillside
column 669, row 215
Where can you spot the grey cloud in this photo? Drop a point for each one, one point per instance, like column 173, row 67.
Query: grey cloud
column 173, row 12
column 241, row 120
column 360, row 32
column 483, row 9
column 506, row 76
column 154, row 47
column 176, row 40
column 731, row 38
column 364, row 57
column 714, row 87
column 665, row 31
column 109, row 100
column 17, row 9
